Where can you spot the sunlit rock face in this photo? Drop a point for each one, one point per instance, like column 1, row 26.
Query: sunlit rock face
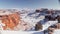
column 9, row 19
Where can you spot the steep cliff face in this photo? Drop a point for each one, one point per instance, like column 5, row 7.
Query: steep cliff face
column 10, row 18
column 10, row 21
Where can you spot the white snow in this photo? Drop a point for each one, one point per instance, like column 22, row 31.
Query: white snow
column 49, row 23
column 57, row 31
column 33, row 20
column 21, row 32
column 1, row 24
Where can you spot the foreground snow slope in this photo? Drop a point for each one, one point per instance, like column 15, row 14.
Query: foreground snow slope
column 21, row 32
column 57, row 31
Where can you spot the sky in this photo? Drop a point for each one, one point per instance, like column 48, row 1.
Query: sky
column 32, row 4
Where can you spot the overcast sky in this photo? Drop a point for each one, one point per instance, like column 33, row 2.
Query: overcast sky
column 29, row 4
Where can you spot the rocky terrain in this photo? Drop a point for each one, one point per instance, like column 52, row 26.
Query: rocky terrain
column 41, row 21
